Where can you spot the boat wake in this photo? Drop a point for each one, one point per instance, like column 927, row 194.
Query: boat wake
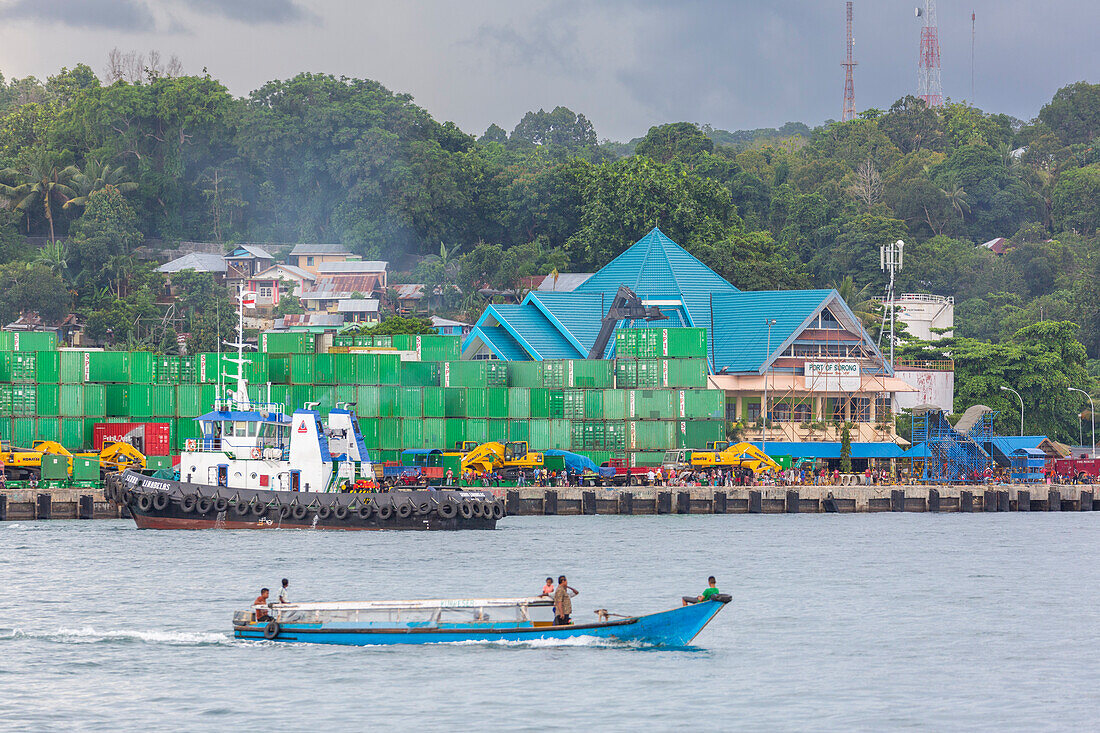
column 89, row 635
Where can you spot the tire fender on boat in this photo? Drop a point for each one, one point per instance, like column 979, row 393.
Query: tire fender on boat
column 259, row 508
column 299, row 512
column 221, row 504
column 241, row 508
column 145, row 502
column 424, row 507
column 366, row 510
column 160, row 501
column 447, row 509
column 324, row 511
column 466, row 510
column 204, row 505
column 385, row 511
column 272, row 629
column 188, row 502
column 477, row 508
column 285, row 511
column 498, row 510
column 405, row 509
column 340, row 512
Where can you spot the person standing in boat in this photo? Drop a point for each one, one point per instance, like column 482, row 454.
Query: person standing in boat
column 563, row 603
column 284, row 594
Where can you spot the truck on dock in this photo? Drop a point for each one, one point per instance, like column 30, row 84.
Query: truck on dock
column 1082, row 470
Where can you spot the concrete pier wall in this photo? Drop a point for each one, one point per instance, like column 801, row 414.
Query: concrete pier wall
column 26, row 504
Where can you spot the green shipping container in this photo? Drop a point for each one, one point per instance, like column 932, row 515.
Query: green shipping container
column 496, row 399
column 435, row 433
column 477, row 430
column 34, row 341
column 539, row 434
column 163, row 400
column 324, row 369
column 107, row 366
column 49, row 428
column 7, row 341
column 412, row 433
column 369, row 401
column 454, row 430
column 389, row 368
column 519, row 430
column 651, row 435
column 525, row 373
column 303, row 369
column 645, row 458
column 590, row 373
column 497, row 430
column 697, row 433
column 614, row 404
column 561, row 435
column 85, row 469
column 278, row 368
column 76, row 437
column 519, row 402
column 71, row 365
column 344, row 393
column 22, row 367
column 652, row 343
column 465, row 374
column 496, row 373
column 193, row 400
column 24, row 431
column 419, row 374
column 477, row 401
column 70, row 400
column 345, row 368
column 683, row 373
column 455, row 402
column 47, row 367
column 389, row 401
column 286, row 342
column 411, row 402
column 540, row 402
column 390, row 436
column 368, row 427
column 95, row 400
column 434, row 401
column 141, row 367
column 47, row 400
column 698, row 404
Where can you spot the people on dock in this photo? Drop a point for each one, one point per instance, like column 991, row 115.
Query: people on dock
column 563, row 602
column 260, row 604
column 284, row 594
column 710, row 591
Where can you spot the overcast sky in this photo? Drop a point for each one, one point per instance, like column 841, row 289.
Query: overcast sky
column 626, row 64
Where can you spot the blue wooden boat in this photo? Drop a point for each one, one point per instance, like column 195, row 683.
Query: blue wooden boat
column 466, row 619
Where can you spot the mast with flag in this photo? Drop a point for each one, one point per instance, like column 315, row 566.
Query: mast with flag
column 245, row 299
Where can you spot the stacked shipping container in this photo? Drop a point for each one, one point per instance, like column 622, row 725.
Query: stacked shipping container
column 637, row 406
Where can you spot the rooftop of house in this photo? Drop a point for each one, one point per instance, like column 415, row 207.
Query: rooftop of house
column 319, row 249
column 247, row 251
column 351, row 266
column 197, row 261
column 357, row 305
column 565, row 282
column 275, row 270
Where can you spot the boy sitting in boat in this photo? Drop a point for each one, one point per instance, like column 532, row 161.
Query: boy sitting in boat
column 707, row 594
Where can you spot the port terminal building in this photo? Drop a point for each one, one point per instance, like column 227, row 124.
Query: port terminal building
column 794, row 365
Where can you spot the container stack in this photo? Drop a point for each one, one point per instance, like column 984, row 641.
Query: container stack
column 409, row 392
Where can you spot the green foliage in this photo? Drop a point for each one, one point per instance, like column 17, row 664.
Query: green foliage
column 561, row 129
column 31, row 287
column 209, row 314
column 103, row 240
column 1076, row 204
column 846, row 448
column 1074, row 113
column 395, row 325
column 678, row 140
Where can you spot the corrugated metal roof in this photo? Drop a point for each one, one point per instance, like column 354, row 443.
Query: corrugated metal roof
column 501, row 342
column 244, row 251
column 831, row 450
column 566, row 282
column 538, row 331
column 197, row 261
column 409, row 291
column 740, row 338
column 297, row 272
column 581, row 314
column 319, row 249
column 357, row 305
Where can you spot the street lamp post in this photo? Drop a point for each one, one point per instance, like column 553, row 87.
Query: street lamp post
column 769, row 322
column 1021, row 399
column 1092, row 414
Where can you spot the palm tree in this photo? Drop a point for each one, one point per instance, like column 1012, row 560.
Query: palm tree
column 55, row 256
column 95, row 176
column 865, row 309
column 956, row 196
column 118, row 269
column 39, row 182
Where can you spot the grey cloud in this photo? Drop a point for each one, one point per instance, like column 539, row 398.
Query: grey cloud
column 544, row 44
column 276, row 12
column 124, row 15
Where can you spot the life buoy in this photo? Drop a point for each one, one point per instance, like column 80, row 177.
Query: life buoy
column 365, row 510
column 498, row 510
column 221, row 504
column 190, row 444
column 204, row 505
column 385, row 511
column 447, row 510
column 324, row 511
column 160, row 501
column 299, row 512
column 187, row 503
column 145, row 502
column 404, row 510
column 271, row 630
column 466, row 510
column 340, row 512
column 256, row 453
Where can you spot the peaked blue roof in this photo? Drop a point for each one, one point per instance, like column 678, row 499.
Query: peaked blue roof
column 813, row 449
column 740, row 334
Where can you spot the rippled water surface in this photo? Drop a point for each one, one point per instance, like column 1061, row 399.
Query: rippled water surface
column 872, row 622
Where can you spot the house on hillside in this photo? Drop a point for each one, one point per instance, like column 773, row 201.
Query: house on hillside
column 447, row 327
column 311, row 256
column 805, row 348
column 194, row 262
column 359, row 310
column 279, row 279
column 243, row 263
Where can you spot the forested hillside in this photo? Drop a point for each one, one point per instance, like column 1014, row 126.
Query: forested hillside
column 323, row 159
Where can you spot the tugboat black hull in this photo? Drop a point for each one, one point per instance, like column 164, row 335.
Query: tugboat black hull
column 165, row 504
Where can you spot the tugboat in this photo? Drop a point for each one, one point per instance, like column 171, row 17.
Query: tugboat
column 257, row 467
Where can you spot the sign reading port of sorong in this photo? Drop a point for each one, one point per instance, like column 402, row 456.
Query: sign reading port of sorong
column 832, row 376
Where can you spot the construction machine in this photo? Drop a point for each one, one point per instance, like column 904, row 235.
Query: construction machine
column 737, row 455
column 23, row 464
column 507, row 459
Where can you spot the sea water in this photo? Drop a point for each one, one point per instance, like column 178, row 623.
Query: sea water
column 838, row 622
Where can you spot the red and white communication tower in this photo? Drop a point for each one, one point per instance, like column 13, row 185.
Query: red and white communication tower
column 849, row 85
column 929, row 85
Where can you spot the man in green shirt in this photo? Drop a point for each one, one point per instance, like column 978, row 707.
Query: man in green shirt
column 711, row 591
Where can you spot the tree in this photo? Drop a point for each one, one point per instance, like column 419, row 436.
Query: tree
column 494, row 134
column 96, row 176
column 859, row 301
column 846, row 448
column 209, row 314
column 912, row 125
column 103, row 240
column 561, row 128
column 1074, row 113
column 395, row 325
column 31, row 288
column 41, row 182
column 856, row 251
column 866, row 186
column 1076, row 200
column 683, row 140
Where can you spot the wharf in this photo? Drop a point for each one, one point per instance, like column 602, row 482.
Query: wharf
column 83, row 503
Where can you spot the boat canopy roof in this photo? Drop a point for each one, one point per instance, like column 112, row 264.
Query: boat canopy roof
column 245, row 416
column 425, row 604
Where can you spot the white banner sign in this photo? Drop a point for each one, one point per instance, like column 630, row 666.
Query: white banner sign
column 832, row 376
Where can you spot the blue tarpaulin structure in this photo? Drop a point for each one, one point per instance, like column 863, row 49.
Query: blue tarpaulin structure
column 575, row 463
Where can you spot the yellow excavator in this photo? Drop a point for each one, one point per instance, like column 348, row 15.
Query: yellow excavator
column 721, row 454
column 508, row 459
column 20, row 463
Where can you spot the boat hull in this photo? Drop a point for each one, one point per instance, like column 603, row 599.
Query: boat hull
column 676, row 627
column 165, row 504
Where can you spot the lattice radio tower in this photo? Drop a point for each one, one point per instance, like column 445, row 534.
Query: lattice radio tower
column 849, row 85
column 929, row 85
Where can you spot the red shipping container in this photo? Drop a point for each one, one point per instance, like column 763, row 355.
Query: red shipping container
column 151, row 438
